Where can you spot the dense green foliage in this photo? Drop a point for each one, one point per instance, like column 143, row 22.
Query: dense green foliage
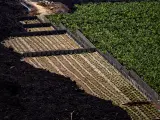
column 130, row 31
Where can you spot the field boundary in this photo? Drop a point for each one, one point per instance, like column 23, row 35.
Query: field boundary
column 84, row 40
column 77, row 38
column 43, row 19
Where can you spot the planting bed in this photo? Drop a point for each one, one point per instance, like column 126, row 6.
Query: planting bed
column 41, row 43
column 39, row 29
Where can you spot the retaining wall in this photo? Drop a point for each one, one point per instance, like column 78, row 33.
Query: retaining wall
column 77, row 37
column 43, row 19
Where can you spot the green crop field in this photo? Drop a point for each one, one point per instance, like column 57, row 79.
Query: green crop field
column 130, row 31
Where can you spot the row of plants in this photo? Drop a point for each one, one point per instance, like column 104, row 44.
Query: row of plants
column 130, row 31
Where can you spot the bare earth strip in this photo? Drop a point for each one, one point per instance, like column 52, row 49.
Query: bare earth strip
column 41, row 43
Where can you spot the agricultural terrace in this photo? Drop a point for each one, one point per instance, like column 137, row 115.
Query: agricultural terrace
column 130, row 31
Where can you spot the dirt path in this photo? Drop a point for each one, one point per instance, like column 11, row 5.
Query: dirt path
column 40, row 9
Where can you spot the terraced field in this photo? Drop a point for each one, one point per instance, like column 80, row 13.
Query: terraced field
column 89, row 70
